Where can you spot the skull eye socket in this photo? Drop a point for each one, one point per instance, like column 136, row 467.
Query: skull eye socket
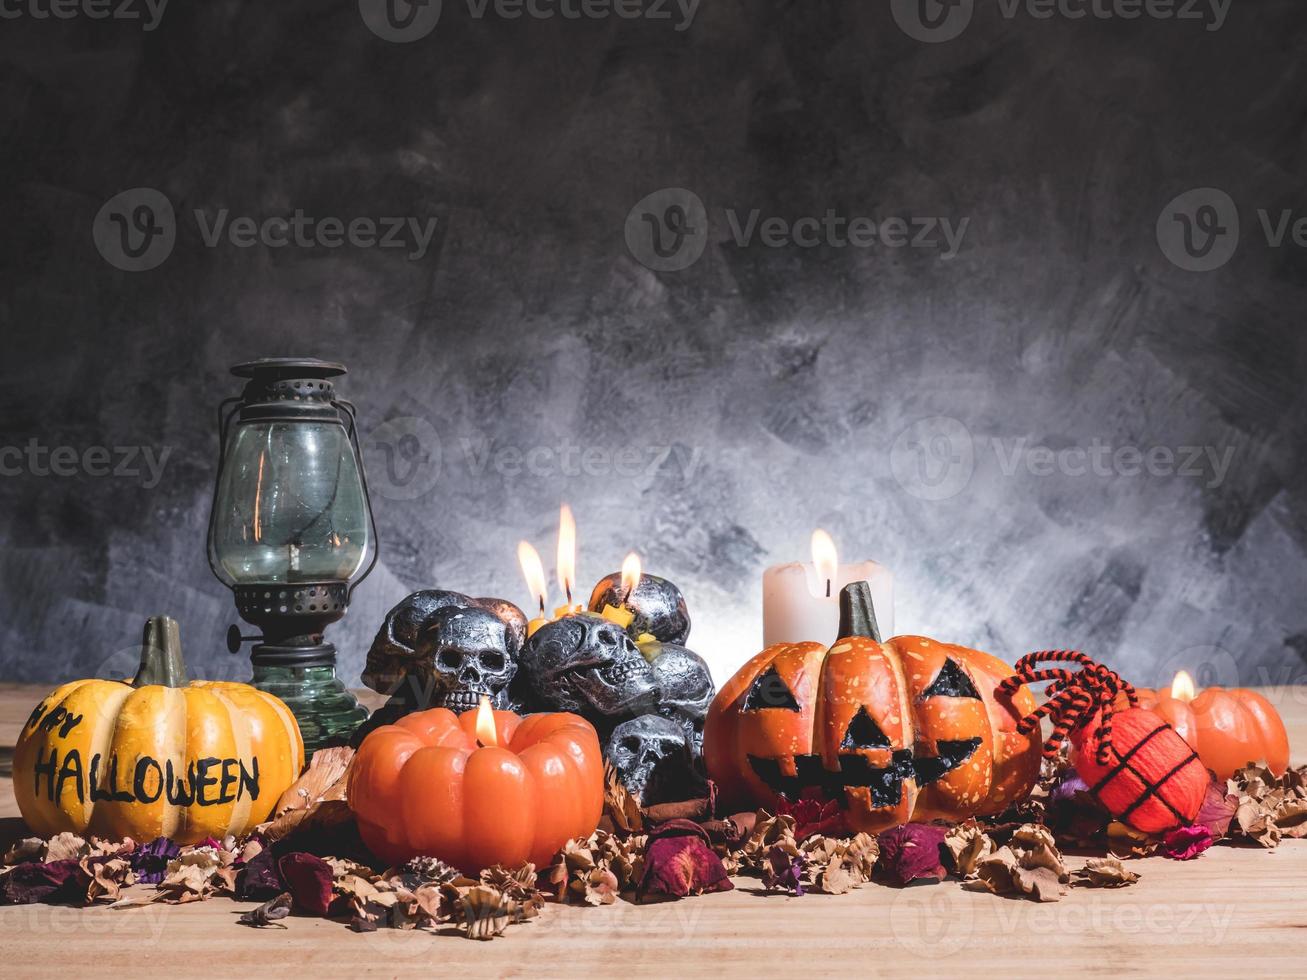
column 492, row 660
column 631, row 744
column 951, row 682
column 769, row 690
column 450, row 658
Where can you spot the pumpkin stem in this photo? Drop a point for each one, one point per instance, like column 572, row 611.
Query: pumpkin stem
column 858, row 612
column 161, row 654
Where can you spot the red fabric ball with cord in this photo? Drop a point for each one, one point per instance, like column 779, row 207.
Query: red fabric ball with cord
column 1133, row 761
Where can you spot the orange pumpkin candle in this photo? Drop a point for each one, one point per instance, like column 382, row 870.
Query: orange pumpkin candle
column 483, row 788
column 1227, row 728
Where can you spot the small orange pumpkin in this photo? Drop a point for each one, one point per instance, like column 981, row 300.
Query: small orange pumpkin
column 426, row 785
column 901, row 730
column 1228, row 728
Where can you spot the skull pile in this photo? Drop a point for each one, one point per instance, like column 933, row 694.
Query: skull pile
column 648, row 702
column 444, row 649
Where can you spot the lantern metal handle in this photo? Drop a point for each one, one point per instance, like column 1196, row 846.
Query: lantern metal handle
column 224, row 423
column 348, row 408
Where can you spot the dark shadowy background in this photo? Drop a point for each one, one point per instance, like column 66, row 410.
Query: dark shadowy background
column 895, row 397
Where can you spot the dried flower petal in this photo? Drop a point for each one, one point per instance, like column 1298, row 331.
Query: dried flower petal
column 309, row 880
column 27, row 850
column 150, row 861
column 784, row 871
column 1186, row 843
column 259, row 878
column 53, row 881
column 814, row 816
column 911, row 852
column 1217, row 810
column 679, row 862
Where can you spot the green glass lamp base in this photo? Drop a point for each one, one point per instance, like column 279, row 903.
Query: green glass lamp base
column 327, row 713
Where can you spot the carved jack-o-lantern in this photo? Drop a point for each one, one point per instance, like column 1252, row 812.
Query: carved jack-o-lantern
column 901, row 730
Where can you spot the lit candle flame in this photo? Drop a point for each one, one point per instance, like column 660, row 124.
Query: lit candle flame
column 534, row 572
column 630, row 573
column 486, row 723
column 824, row 558
column 566, row 551
column 1182, row 688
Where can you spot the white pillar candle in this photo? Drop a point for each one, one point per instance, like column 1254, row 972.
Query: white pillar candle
column 795, row 604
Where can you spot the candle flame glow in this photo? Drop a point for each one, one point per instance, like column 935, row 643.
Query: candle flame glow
column 486, row 723
column 533, row 571
column 825, row 558
column 630, row 573
column 566, row 551
column 1182, row 688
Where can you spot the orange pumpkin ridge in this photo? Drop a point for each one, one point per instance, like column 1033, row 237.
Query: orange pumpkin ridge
column 899, row 730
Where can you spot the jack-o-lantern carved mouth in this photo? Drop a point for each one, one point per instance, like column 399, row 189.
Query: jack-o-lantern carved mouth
column 883, row 783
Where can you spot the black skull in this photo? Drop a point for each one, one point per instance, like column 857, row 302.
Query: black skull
column 686, row 689
column 652, row 759
column 588, row 665
column 467, row 653
column 394, row 654
column 658, row 606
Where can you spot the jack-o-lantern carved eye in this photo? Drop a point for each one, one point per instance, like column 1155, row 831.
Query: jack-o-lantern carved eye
column 769, row 690
column 864, row 733
column 951, row 681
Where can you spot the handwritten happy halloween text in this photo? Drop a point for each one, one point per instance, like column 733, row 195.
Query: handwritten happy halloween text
column 150, row 779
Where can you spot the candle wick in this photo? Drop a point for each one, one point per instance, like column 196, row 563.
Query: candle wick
column 568, row 589
column 828, row 588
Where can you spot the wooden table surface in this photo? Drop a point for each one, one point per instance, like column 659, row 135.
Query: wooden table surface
column 1232, row 912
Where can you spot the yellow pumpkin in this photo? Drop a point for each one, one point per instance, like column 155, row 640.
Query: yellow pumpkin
column 155, row 756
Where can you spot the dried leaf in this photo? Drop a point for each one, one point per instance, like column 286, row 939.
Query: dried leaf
column 27, row 850
column 268, row 913
column 968, row 845
column 65, row 847
column 784, row 871
column 621, row 806
column 1029, row 865
column 323, row 780
column 422, row 870
column 519, row 886
column 1105, row 872
column 106, row 877
column 768, row 831
column 485, row 912
column 911, row 852
column 1124, row 841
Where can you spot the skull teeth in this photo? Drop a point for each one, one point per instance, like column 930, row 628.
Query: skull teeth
column 621, row 672
column 462, row 700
